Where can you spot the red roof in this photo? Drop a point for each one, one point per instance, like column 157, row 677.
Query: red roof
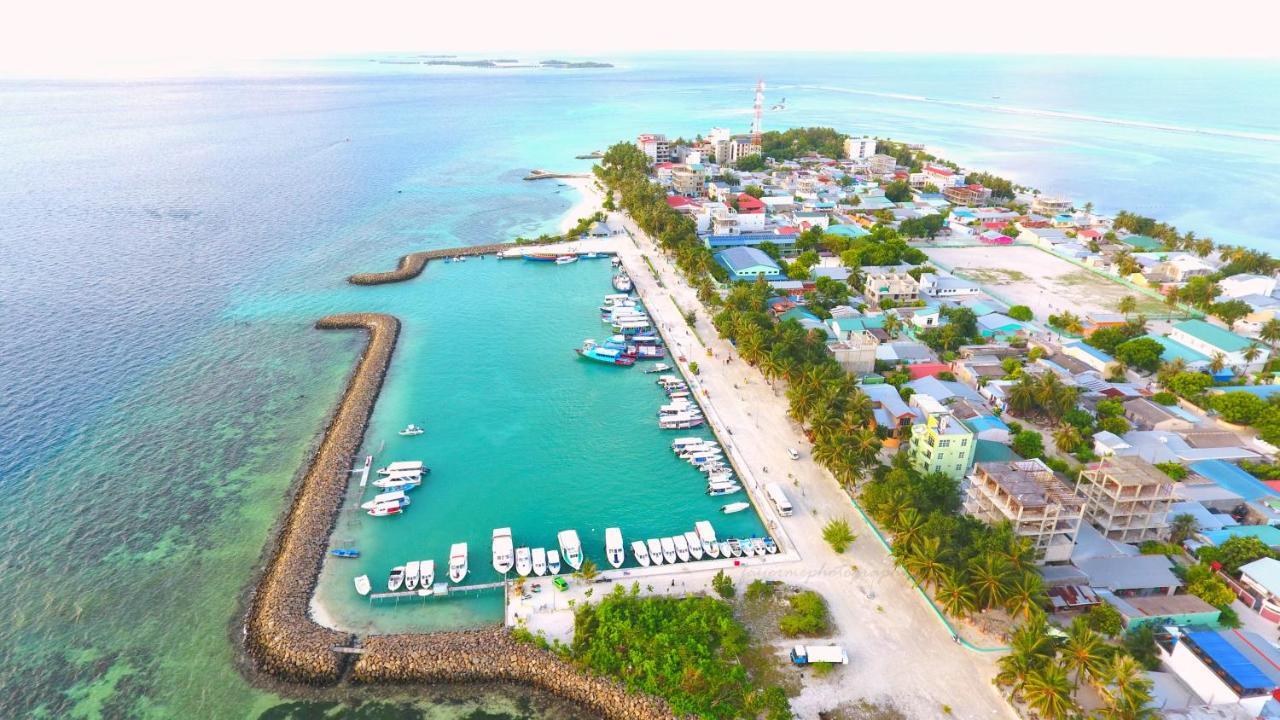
column 934, row 169
column 992, row 225
column 679, row 201
column 1273, row 484
column 787, row 230
column 1089, row 233
column 920, row 370
column 664, row 165
column 749, row 204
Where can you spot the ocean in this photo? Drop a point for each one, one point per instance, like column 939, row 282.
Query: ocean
column 165, row 246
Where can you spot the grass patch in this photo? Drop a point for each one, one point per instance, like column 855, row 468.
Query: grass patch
column 864, row 710
column 992, row 276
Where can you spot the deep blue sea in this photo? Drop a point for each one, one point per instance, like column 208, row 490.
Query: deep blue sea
column 165, row 246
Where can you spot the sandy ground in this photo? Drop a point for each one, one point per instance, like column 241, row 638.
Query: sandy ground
column 1025, row 275
column 589, row 200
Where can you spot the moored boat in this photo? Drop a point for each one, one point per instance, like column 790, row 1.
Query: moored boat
column 707, row 536
column 386, row 497
column 655, row 550
column 770, row 546
column 524, row 561
column 606, row 355
column 345, row 552
column 458, row 562
column 427, row 574
column 726, row 550
column 570, row 548
column 396, row 578
column 748, row 547
column 735, row 548
column 721, row 490
column 385, row 510
column 680, row 421
column 735, row 507
column 640, row 553
column 539, row 556
column 682, row 442
column 503, row 554
column 694, row 545
column 411, row 575
column 402, row 482
column 622, row 283
column 660, row 367
column 363, row 586
column 614, row 551
column 412, row 430
column 682, row 547
column 668, row 550
column 540, row 257
column 403, row 466
column 553, row 562
column 566, row 259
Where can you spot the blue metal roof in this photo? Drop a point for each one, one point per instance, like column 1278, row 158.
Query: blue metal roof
column 1231, row 477
column 1240, row 670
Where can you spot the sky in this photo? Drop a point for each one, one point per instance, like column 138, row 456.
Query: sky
column 88, row 37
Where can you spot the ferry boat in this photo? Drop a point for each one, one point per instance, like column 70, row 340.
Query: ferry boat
column 655, row 551
column 345, row 552
column 524, row 561
column 363, row 586
column 706, row 536
column 458, row 562
column 386, row 497
column 411, row 575
column 539, row 560
column 694, row 545
column 385, row 509
column 427, row 573
column 404, row 466
column 566, row 259
column 734, row 507
column 682, row 547
column 540, row 257
column 570, row 548
column 503, row 557
column 622, row 283
column 668, row 550
column 682, row 421
column 659, row 368
column 608, row 356
column 412, row 430
column 553, row 562
column 613, row 548
column 640, row 553
column 396, row 578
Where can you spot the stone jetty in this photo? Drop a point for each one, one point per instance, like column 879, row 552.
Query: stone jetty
column 412, row 265
column 279, row 633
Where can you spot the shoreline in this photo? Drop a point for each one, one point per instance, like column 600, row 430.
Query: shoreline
column 590, row 200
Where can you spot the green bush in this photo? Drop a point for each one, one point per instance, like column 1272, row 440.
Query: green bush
column 723, row 585
column 1173, row 470
column 1164, row 397
column 1021, row 312
column 760, row 589
column 808, row 616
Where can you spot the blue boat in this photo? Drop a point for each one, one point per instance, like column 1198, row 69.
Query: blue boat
column 607, row 355
column 345, row 552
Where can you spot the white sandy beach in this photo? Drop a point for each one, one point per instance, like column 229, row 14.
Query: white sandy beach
column 589, row 201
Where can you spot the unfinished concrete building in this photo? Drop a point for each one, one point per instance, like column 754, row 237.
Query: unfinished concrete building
column 1041, row 507
column 1127, row 499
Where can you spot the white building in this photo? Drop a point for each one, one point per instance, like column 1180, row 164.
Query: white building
column 655, row 147
column 859, row 148
column 1237, row 286
column 1209, row 340
column 1226, row 668
column 945, row 286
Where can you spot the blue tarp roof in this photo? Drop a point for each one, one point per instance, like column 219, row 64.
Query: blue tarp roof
column 1231, row 477
column 1266, row 533
column 1241, row 669
column 1262, row 391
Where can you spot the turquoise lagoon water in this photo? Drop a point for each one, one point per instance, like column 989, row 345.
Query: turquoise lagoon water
column 165, row 247
column 521, row 433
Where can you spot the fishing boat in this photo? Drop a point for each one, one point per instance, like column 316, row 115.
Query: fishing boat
column 396, row 578
column 694, row 450
column 540, row 257
column 503, row 556
column 655, row 550
column 681, row 421
column 735, row 507
column 403, row 466
column 682, row 547
column 770, row 546
column 566, row 259
column 640, row 553
column 622, row 283
column 553, row 562
column 659, row 368
column 524, row 561
column 402, row 482
column 703, row 459
column 363, row 585
column 706, row 536
column 735, row 548
column 539, row 560
column 694, row 545
column 385, row 510
column 714, row 468
column 614, row 550
column 668, row 550
column 411, row 574
column 386, row 497
column 345, row 552
column 608, row 356
column 721, row 483
column 725, row 549
column 458, row 562
column 412, row 430
column 570, row 548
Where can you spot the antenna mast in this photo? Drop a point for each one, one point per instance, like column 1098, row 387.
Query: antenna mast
column 759, row 113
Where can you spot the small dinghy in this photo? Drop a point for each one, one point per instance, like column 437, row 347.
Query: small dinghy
column 412, row 430
column 396, row 578
column 362, row 584
column 770, row 546
column 539, row 556
column 553, row 562
column 386, row 509
column 640, row 553
column 668, row 550
column 735, row 507
column 345, row 552
column 725, row 549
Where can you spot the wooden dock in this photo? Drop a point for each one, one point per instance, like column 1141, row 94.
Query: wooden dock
column 437, row 590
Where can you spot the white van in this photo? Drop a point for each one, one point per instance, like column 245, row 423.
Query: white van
column 779, row 499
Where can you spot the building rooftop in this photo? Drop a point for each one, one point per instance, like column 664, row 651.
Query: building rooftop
column 1030, row 483
column 1244, row 660
column 1231, row 477
column 740, row 258
column 1266, row 533
column 1224, row 340
column 1265, row 572
column 1118, row 573
column 1131, row 470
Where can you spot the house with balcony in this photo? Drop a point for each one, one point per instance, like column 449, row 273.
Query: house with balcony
column 942, row 444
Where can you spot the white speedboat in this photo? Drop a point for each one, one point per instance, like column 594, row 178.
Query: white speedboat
column 694, row 545
column 396, row 578
column 722, row 489
column 427, row 574
column 748, row 547
column 707, row 536
column 682, row 547
column 386, row 497
column 553, row 562
column 770, row 546
column 503, row 553
column 655, row 550
column 362, row 584
column 618, row 299
column 385, row 509
column 458, row 562
column 735, row 548
column 684, row 442
column 402, row 466
column 659, row 367
column 539, row 560
column 622, row 283
column 566, row 259
column 641, row 554
column 412, row 430
column 406, row 482
column 614, row 550
column 668, row 550
column 411, row 575
column 735, row 507
column 524, row 561
column 570, row 548
column 682, row 421
column 726, row 550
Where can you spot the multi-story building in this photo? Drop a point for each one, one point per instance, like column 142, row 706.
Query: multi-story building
column 688, row 181
column 856, row 353
column 892, row 285
column 883, row 164
column 942, row 444
column 967, row 195
column 941, row 177
column 859, row 148
column 655, row 147
column 1050, row 205
column 1127, row 499
column 1038, row 504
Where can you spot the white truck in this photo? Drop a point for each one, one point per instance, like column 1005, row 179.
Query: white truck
column 808, row 654
column 779, row 499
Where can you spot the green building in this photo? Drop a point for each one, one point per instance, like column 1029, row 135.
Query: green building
column 942, row 444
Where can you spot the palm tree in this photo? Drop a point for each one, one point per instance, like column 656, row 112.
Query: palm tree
column 857, row 409
column 1025, row 595
column 892, row 324
column 1022, row 396
column 1015, row 668
column 1048, row 691
column 924, row 561
column 828, row 454
column 1217, row 362
column 802, row 396
column 587, row 572
column 1251, row 353
column 990, row 579
column 1182, row 526
column 1067, row 438
column 909, row 526
column 1084, row 653
column 772, row 365
column 1270, row 332
column 954, row 594
column 865, row 444
column 1170, row 369
column 1127, row 304
column 1124, row 687
column 1017, row 553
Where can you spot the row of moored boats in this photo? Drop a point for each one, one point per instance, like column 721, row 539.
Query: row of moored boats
column 395, row 482
column 634, row 336
column 681, row 411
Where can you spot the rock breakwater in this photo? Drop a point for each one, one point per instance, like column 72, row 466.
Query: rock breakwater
column 412, row 265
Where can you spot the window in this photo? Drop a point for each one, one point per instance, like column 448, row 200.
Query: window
column 944, row 443
column 964, row 442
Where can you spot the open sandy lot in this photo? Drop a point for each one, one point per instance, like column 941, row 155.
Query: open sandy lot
column 1025, row 275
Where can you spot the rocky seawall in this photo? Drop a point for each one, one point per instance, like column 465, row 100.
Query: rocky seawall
column 279, row 633
column 412, row 265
